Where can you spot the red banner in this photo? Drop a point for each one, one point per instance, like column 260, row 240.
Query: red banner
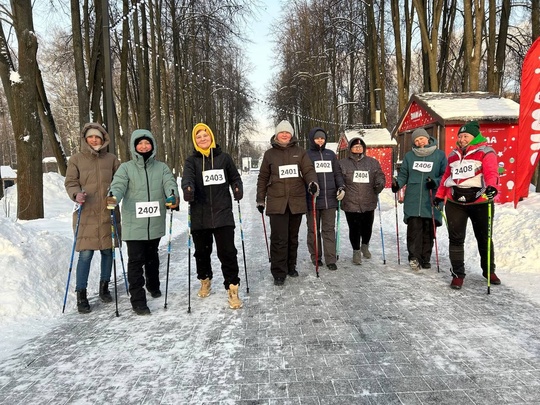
column 528, row 142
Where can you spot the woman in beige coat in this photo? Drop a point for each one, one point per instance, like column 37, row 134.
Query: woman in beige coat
column 88, row 177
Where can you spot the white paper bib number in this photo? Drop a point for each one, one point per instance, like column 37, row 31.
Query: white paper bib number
column 288, row 171
column 147, row 209
column 323, row 166
column 212, row 177
column 424, row 167
column 361, row 176
column 463, row 170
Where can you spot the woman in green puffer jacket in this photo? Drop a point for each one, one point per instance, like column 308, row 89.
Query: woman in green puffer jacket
column 147, row 187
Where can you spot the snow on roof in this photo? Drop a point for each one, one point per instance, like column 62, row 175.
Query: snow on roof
column 371, row 136
column 475, row 105
column 333, row 146
column 6, row 172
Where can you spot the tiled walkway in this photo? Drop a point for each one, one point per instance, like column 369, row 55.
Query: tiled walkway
column 370, row 334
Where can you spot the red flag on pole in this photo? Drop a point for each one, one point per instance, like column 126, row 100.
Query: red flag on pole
column 528, row 142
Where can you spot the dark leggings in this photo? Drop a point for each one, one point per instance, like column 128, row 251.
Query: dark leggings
column 457, row 216
column 360, row 227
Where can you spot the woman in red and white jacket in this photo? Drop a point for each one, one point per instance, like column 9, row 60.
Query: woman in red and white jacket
column 469, row 186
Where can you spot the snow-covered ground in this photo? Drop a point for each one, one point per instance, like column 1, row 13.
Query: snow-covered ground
column 35, row 255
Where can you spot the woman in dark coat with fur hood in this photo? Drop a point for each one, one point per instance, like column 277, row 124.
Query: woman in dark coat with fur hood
column 364, row 180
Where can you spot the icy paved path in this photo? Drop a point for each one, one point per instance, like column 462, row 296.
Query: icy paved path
column 370, row 334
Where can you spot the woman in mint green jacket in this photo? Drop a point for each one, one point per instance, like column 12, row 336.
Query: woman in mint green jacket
column 146, row 188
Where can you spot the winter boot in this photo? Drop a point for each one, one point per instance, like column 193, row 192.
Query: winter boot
column 104, row 293
column 414, row 264
column 206, row 287
column 234, row 300
column 357, row 257
column 456, row 283
column 82, row 302
column 365, row 251
column 292, row 272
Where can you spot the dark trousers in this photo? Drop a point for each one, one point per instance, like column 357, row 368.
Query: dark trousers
column 360, row 227
column 457, row 216
column 143, row 263
column 420, row 238
column 226, row 252
column 284, row 242
column 326, row 235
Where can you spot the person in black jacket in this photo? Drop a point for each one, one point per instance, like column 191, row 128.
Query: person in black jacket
column 208, row 174
column 332, row 189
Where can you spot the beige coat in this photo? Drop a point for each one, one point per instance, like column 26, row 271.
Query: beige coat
column 92, row 171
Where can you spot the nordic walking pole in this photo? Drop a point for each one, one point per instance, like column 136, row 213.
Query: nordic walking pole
column 243, row 246
column 189, row 257
column 265, row 236
column 313, row 198
column 168, row 255
column 380, row 226
column 397, row 227
column 490, row 230
column 121, row 255
column 338, row 233
column 110, row 207
column 434, row 229
column 72, row 254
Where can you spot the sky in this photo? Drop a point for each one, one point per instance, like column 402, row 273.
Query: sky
column 36, row 255
column 260, row 54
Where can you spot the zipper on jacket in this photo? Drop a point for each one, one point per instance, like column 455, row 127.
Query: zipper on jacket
column 148, row 199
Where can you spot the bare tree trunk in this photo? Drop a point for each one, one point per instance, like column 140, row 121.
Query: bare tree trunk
column 25, row 117
column 535, row 19
column 155, row 33
column 403, row 64
column 78, row 59
column 49, row 124
column 502, row 38
column 429, row 41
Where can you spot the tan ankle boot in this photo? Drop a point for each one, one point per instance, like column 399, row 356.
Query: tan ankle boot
column 357, row 257
column 365, row 251
column 234, row 300
column 206, row 288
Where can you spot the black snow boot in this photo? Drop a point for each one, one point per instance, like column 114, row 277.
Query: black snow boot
column 82, row 302
column 104, row 292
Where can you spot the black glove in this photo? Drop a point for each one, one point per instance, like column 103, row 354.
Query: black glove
column 189, row 195
column 313, row 189
column 491, row 192
column 395, row 186
column 238, row 193
column 437, row 201
column 260, row 207
column 430, row 184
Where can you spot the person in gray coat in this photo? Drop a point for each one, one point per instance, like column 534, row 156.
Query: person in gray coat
column 421, row 171
column 147, row 187
column 364, row 180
